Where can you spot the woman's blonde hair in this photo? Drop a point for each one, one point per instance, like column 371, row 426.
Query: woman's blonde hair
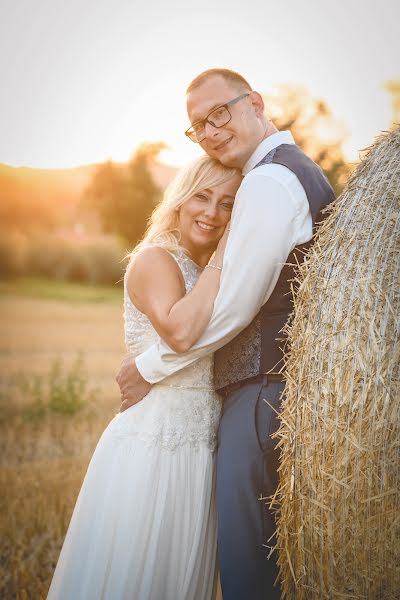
column 201, row 174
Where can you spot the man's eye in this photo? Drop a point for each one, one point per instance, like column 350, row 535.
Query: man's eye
column 227, row 205
column 218, row 113
column 198, row 128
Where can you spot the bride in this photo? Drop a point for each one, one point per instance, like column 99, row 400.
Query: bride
column 144, row 525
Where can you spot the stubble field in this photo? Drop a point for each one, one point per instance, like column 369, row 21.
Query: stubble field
column 44, row 454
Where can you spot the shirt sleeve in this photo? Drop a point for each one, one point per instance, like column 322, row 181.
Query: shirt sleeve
column 270, row 217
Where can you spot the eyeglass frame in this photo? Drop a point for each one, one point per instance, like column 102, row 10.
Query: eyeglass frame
column 206, row 120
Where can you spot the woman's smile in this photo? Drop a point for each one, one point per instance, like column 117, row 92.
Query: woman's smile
column 204, row 216
column 205, row 226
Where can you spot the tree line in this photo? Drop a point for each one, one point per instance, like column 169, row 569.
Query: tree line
column 120, row 198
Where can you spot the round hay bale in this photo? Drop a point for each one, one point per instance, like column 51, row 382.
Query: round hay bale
column 339, row 497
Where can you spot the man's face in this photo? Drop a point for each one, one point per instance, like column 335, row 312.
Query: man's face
column 234, row 143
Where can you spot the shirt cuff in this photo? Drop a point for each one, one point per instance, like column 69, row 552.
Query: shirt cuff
column 150, row 366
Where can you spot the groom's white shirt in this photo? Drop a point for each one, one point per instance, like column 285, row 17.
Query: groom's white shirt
column 271, row 216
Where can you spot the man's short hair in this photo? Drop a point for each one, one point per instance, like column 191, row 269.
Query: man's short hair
column 227, row 74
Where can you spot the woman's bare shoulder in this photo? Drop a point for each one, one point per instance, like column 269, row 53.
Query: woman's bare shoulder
column 151, row 257
column 153, row 266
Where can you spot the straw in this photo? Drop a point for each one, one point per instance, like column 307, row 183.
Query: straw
column 338, row 500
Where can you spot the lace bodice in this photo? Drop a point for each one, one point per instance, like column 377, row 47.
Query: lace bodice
column 140, row 334
column 183, row 408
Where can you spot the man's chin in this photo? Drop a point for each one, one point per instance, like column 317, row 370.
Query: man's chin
column 229, row 159
column 226, row 156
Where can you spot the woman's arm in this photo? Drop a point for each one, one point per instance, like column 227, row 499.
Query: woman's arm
column 156, row 287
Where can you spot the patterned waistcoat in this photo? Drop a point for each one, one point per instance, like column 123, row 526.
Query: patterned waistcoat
column 258, row 349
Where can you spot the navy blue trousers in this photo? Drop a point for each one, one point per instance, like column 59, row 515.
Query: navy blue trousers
column 247, row 463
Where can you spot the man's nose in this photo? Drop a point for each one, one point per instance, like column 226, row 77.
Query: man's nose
column 210, row 130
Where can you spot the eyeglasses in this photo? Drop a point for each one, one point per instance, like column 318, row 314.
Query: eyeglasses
column 218, row 117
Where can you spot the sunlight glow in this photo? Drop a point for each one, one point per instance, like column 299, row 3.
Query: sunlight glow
column 96, row 82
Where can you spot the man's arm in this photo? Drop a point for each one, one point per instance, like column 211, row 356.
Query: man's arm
column 179, row 318
column 270, row 217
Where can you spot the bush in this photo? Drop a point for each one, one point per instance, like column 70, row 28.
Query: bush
column 106, row 261
column 62, row 393
column 98, row 261
column 54, row 257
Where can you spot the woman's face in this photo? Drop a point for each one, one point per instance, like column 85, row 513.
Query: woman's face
column 204, row 216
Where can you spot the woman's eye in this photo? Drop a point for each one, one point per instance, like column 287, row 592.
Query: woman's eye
column 202, row 197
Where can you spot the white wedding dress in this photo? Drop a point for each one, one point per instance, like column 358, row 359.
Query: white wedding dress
column 144, row 525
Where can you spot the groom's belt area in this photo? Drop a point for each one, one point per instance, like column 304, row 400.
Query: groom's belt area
column 263, row 379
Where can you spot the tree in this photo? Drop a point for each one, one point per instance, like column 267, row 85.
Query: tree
column 124, row 196
column 314, row 129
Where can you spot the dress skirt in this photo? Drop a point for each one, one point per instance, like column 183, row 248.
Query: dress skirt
column 144, row 524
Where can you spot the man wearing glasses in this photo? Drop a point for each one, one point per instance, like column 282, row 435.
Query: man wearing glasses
column 218, row 117
column 276, row 208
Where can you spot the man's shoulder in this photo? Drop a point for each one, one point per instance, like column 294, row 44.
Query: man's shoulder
column 291, row 155
column 270, row 172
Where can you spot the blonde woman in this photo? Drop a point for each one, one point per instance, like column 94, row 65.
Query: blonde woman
column 144, row 525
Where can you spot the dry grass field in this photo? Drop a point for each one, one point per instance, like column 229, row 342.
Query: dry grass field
column 43, row 460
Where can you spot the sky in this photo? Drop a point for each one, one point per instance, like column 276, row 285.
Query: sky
column 84, row 81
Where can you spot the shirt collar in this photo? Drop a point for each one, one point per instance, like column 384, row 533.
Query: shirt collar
column 271, row 142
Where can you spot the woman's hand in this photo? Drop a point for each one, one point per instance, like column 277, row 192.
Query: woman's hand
column 220, row 251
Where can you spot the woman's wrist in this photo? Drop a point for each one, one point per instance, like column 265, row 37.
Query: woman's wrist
column 213, row 265
column 217, row 259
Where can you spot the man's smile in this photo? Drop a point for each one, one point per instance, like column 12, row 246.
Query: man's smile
column 223, row 144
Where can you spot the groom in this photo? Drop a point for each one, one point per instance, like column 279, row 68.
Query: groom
column 276, row 209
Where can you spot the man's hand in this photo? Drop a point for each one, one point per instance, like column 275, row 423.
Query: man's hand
column 132, row 385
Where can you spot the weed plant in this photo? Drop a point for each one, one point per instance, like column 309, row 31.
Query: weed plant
column 61, row 392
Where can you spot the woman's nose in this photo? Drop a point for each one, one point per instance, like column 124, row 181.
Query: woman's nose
column 211, row 210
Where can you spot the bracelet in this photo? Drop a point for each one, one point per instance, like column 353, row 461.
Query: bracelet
column 213, row 267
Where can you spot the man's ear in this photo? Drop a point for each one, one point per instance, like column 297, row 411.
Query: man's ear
column 258, row 103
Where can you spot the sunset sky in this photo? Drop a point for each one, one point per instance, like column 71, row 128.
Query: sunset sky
column 87, row 80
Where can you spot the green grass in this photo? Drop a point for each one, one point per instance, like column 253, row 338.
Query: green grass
column 63, row 392
column 35, row 287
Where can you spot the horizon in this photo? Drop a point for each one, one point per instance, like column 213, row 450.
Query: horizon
column 122, row 163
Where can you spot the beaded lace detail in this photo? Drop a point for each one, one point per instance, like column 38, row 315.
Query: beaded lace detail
column 181, row 409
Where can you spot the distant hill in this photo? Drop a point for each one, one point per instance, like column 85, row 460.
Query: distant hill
column 54, row 193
